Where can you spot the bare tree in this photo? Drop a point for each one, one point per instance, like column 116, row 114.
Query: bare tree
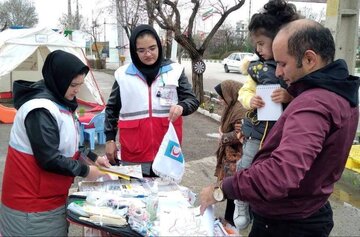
column 309, row 13
column 160, row 12
column 94, row 30
column 226, row 32
column 70, row 16
column 150, row 9
column 130, row 13
column 72, row 21
column 225, row 40
column 3, row 27
column 18, row 13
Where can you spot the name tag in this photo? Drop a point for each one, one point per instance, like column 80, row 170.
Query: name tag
column 167, row 95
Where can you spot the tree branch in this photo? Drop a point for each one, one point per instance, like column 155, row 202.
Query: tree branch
column 219, row 23
column 192, row 17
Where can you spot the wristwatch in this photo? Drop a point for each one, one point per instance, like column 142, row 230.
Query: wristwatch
column 218, row 194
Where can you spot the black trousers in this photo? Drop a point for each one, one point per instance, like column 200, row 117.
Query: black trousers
column 319, row 224
column 229, row 211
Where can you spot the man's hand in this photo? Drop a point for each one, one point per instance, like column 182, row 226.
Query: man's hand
column 175, row 112
column 281, row 95
column 206, row 198
column 111, row 152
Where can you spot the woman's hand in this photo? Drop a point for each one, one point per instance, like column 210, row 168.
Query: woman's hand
column 102, row 161
column 220, row 134
column 110, row 152
column 241, row 137
column 237, row 127
column 94, row 173
column 175, row 112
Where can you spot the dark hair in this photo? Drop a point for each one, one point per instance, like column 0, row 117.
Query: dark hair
column 148, row 71
column 145, row 32
column 275, row 14
column 313, row 37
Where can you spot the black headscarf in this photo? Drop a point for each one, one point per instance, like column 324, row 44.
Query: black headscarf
column 149, row 71
column 59, row 69
column 218, row 90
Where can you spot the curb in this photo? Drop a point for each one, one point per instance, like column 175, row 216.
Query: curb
column 205, row 60
column 208, row 114
column 351, row 178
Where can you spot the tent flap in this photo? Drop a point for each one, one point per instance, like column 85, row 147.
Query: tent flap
column 23, row 52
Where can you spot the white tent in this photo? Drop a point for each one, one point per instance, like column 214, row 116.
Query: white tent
column 22, row 55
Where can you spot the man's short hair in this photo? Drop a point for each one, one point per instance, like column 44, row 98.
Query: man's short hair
column 311, row 36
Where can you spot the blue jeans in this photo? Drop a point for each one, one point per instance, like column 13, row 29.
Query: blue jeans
column 318, row 224
column 250, row 148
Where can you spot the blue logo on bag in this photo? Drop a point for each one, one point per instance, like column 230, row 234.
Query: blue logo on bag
column 173, row 151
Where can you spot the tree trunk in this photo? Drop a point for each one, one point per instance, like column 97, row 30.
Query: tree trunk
column 198, row 86
column 70, row 19
column 119, row 27
column 195, row 55
column 197, row 83
column 179, row 54
column 97, row 56
column 169, row 38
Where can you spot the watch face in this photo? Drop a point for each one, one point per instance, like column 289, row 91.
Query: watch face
column 218, row 194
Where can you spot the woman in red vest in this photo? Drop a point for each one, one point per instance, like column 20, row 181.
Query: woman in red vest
column 42, row 155
column 147, row 94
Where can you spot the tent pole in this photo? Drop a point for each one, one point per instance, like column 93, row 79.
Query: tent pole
column 11, row 89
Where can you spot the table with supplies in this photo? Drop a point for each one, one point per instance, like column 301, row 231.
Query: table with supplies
column 124, row 203
column 140, row 207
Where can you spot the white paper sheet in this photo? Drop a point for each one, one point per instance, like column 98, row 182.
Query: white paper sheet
column 271, row 111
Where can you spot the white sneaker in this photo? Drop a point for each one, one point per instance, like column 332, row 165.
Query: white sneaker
column 241, row 215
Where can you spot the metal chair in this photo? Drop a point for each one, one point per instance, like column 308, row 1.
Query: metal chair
column 94, row 130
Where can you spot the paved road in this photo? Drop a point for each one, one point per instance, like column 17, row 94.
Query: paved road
column 199, row 148
column 214, row 74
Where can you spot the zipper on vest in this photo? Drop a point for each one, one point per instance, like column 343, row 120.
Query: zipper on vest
column 150, row 117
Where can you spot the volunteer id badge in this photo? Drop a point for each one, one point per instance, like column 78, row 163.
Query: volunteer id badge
column 168, row 95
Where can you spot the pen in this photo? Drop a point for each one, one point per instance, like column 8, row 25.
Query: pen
column 135, row 196
column 139, row 196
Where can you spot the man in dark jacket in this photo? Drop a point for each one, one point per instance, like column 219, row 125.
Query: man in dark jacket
column 293, row 175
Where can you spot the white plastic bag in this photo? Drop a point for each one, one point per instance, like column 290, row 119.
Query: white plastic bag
column 169, row 161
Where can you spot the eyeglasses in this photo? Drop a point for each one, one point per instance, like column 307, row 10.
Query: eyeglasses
column 150, row 50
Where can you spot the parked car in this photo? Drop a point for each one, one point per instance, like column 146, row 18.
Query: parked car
column 233, row 61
